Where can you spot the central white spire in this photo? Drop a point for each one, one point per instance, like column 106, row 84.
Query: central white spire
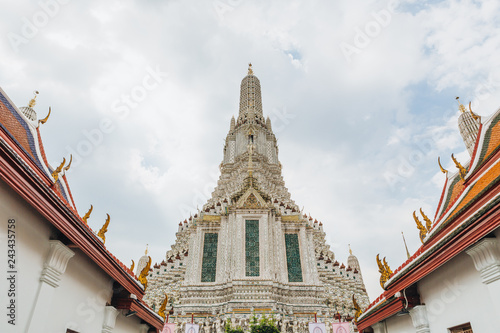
column 250, row 98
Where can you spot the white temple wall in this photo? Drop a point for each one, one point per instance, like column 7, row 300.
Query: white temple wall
column 450, row 290
column 81, row 297
column 77, row 302
column 448, row 294
column 124, row 324
column 400, row 324
column 32, row 235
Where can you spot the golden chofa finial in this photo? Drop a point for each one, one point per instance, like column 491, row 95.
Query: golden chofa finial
column 87, row 215
column 461, row 107
column 32, row 102
column 443, row 170
column 44, row 120
column 420, row 227
column 428, row 222
column 66, row 168
column 163, row 307
column 104, row 229
column 143, row 276
column 56, row 172
column 475, row 116
column 384, row 270
column 357, row 309
column 132, row 267
column 250, row 70
column 462, row 172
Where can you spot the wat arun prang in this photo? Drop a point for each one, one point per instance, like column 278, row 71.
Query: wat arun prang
column 251, row 249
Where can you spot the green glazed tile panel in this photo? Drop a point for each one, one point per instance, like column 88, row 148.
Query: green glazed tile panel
column 209, row 262
column 252, row 247
column 293, row 258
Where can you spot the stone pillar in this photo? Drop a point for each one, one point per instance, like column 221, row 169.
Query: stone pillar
column 419, row 318
column 110, row 314
column 53, row 269
column 379, row 327
column 486, row 257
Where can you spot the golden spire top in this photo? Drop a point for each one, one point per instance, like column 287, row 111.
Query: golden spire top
column 350, row 251
column 146, row 252
column 461, row 107
column 32, row 102
column 250, row 70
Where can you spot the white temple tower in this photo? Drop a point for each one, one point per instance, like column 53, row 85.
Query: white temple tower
column 468, row 124
column 250, row 247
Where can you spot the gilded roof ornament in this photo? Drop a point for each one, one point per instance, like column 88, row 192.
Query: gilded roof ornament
column 163, row 307
column 443, row 170
column 104, row 229
column 55, row 173
column 146, row 252
column 143, row 277
column 250, row 70
column 387, row 268
column 357, row 309
column 460, row 168
column 428, row 222
column 475, row 116
column 461, row 107
column 87, row 215
column 66, row 168
column 350, row 251
column 384, row 270
column 133, row 265
column 421, row 228
column 44, row 120
column 32, row 102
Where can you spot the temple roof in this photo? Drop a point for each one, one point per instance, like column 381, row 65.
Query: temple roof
column 466, row 203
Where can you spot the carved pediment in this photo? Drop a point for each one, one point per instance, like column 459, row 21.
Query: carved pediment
column 251, row 199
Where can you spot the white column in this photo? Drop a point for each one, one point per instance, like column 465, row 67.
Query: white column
column 486, row 257
column 379, row 327
column 110, row 314
column 53, row 269
column 419, row 317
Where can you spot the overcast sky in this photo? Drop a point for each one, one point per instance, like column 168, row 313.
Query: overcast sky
column 361, row 94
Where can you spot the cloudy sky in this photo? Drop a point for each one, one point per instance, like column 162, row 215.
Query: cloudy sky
column 361, row 94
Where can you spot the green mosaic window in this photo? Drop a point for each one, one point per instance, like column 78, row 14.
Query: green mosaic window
column 209, row 262
column 252, row 247
column 293, row 258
